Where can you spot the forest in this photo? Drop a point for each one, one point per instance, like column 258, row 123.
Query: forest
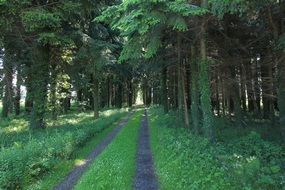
column 142, row 94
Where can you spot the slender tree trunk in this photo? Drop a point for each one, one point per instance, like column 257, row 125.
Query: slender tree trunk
column 250, row 89
column 223, row 97
column 164, row 91
column 96, row 93
column 18, row 90
column 182, row 102
column 130, row 94
column 236, row 96
column 217, row 95
column 267, row 88
column 29, row 94
column 185, row 104
column 8, row 83
column 205, row 85
column 257, row 89
column 53, row 91
column 119, row 95
column 195, row 92
column 175, row 89
column 90, row 93
column 243, row 87
column 281, row 95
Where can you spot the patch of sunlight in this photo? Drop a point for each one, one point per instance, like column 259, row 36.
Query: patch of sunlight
column 107, row 113
column 16, row 126
column 80, row 162
column 110, row 112
column 71, row 119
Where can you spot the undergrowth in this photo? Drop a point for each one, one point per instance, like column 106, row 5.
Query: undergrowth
column 187, row 161
column 28, row 161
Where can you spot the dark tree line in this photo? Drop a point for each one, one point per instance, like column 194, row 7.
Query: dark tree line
column 215, row 58
column 56, row 51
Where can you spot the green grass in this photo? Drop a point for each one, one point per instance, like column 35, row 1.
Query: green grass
column 115, row 167
column 187, row 161
column 29, row 156
column 15, row 130
column 63, row 168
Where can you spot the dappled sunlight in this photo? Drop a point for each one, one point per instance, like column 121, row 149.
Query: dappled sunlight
column 80, row 162
column 69, row 119
column 111, row 112
column 16, row 126
column 77, row 118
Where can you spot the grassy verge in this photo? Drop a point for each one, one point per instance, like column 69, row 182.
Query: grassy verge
column 15, row 130
column 64, row 167
column 30, row 160
column 115, row 167
column 186, row 161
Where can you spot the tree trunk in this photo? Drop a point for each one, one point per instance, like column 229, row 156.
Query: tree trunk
column 8, row 83
column 185, row 104
column 119, row 93
column 243, row 87
column 96, row 93
column 205, row 85
column 130, row 94
column 195, row 92
column 29, row 94
column 18, row 90
column 53, row 91
column 40, row 73
column 164, row 93
column 234, row 89
column 182, row 99
column 281, row 95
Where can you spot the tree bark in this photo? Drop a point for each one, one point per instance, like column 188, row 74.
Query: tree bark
column 40, row 73
column 18, row 90
column 95, row 93
column 164, row 91
column 8, row 83
column 195, row 92
column 205, row 85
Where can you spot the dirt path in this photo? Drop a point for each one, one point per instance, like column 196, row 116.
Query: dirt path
column 72, row 178
column 145, row 175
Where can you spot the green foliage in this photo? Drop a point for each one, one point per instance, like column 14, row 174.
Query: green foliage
column 187, row 161
column 39, row 20
column 184, row 8
column 254, row 163
column 183, row 160
column 115, row 167
column 63, row 167
column 147, row 21
column 25, row 162
column 220, row 8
